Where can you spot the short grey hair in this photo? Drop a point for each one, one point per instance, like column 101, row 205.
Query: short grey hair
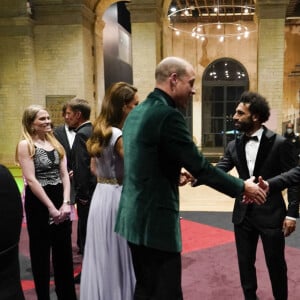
column 171, row 65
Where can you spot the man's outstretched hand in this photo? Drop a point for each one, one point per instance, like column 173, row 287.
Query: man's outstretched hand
column 185, row 177
column 253, row 193
column 263, row 184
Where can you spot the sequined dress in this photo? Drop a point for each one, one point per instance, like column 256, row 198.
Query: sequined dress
column 46, row 237
column 107, row 272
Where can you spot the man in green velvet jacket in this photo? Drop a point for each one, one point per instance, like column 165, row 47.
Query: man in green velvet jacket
column 157, row 145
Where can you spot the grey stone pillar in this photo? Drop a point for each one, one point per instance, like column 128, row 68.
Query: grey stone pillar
column 270, row 62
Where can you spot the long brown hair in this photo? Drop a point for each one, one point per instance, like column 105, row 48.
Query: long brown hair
column 111, row 115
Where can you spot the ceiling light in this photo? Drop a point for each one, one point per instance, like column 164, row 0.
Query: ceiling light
column 220, row 29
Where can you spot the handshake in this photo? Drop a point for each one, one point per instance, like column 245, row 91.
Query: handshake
column 253, row 192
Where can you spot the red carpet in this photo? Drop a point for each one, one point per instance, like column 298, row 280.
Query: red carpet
column 197, row 236
column 209, row 265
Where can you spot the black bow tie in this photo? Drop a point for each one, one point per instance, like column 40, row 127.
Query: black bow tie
column 248, row 138
column 71, row 128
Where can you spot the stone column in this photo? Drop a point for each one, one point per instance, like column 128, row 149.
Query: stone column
column 99, row 68
column 17, row 73
column 270, row 62
column 146, row 43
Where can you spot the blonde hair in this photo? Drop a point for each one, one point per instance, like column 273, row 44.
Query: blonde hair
column 28, row 118
column 111, row 115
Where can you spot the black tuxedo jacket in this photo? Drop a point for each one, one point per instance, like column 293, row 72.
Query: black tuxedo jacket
column 274, row 157
column 285, row 180
column 61, row 135
column 84, row 181
column 10, row 228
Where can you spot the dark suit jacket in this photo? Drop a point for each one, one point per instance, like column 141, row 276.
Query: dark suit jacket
column 274, row 157
column 61, row 135
column 285, row 180
column 157, row 144
column 84, row 180
column 11, row 214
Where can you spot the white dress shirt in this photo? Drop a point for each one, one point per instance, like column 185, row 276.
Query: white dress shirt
column 70, row 135
column 251, row 149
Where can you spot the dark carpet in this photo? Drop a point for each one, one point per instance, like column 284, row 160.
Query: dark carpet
column 210, row 269
column 209, row 262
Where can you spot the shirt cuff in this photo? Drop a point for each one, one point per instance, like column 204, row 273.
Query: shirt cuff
column 290, row 218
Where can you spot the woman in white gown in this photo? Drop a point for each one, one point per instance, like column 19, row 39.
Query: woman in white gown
column 107, row 271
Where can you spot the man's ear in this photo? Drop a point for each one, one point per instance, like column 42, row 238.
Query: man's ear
column 255, row 118
column 173, row 78
column 78, row 114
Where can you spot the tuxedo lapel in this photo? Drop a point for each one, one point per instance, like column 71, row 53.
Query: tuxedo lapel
column 265, row 146
column 240, row 148
column 65, row 137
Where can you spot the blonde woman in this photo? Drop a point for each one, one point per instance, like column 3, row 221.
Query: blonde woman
column 47, row 204
column 107, row 271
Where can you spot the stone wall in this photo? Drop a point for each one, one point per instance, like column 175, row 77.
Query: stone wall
column 43, row 56
column 17, row 74
column 291, row 100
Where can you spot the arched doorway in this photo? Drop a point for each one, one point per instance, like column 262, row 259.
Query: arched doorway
column 223, row 82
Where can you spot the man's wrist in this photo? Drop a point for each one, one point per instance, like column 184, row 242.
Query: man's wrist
column 68, row 202
column 290, row 218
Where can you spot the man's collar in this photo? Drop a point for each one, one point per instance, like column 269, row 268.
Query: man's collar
column 258, row 133
column 82, row 124
column 166, row 96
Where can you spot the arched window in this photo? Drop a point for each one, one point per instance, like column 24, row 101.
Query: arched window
column 224, row 80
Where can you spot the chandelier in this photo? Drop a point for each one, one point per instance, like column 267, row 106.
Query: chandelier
column 216, row 21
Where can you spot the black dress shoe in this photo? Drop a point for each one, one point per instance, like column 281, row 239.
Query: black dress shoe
column 77, row 278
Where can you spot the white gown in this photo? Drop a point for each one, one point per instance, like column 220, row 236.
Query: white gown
column 107, row 271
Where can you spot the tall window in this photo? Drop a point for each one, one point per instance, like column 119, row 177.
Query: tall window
column 224, row 81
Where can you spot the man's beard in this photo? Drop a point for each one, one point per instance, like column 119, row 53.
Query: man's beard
column 245, row 126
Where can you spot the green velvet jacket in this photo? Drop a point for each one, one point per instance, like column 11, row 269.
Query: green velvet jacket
column 157, row 144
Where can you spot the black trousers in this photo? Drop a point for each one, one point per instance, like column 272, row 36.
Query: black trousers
column 46, row 239
column 158, row 273
column 246, row 237
column 83, row 213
